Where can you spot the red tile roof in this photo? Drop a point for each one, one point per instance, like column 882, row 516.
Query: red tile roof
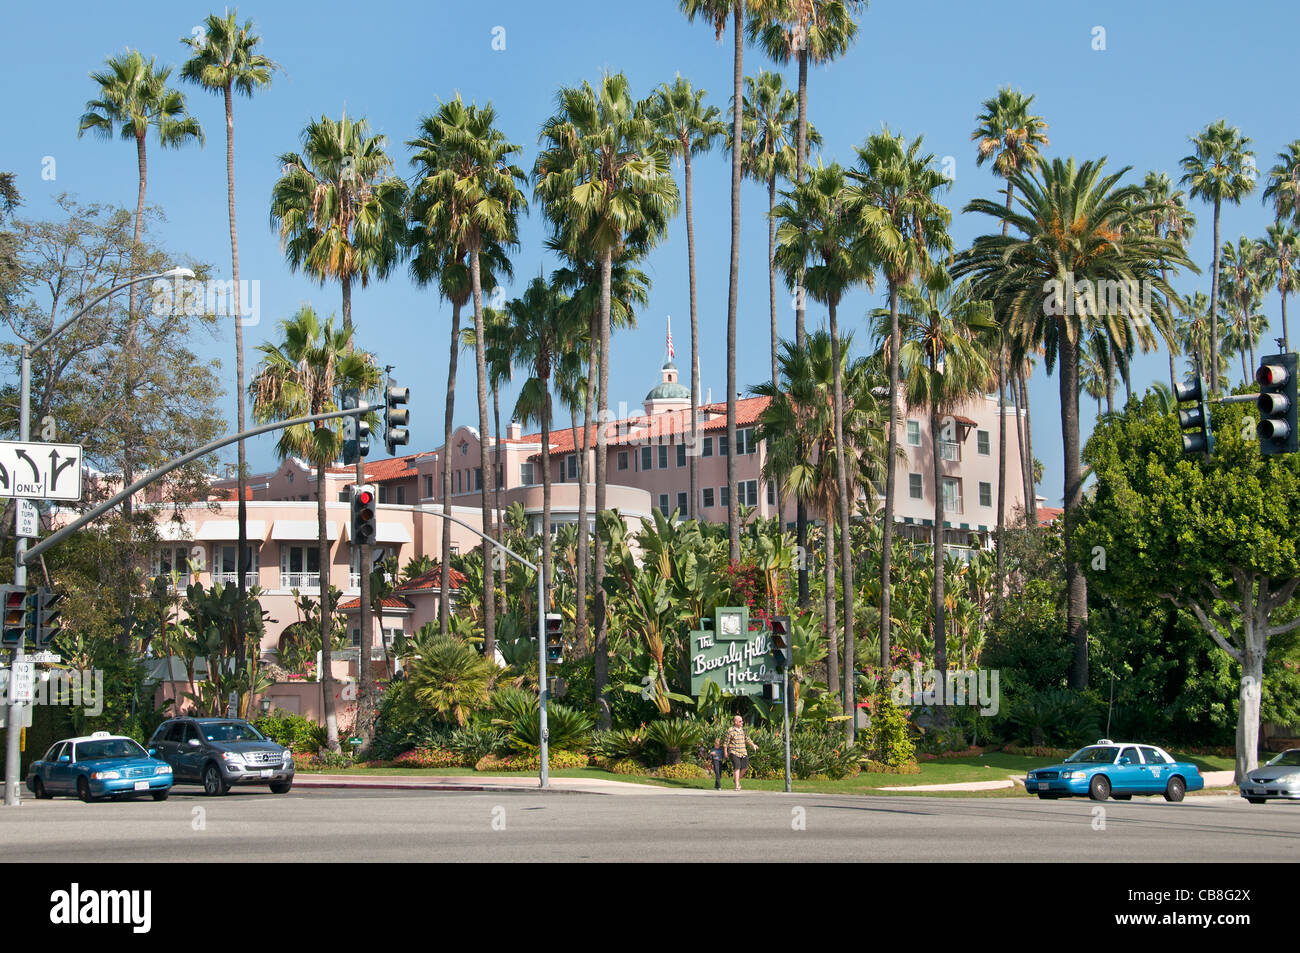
column 384, row 471
column 390, row 602
column 430, row 581
column 1047, row 515
column 633, row 429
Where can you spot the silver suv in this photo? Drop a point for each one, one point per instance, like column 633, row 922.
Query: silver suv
column 221, row 752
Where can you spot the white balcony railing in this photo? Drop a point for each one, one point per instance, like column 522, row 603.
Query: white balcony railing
column 950, row 451
column 300, row 580
column 232, row 578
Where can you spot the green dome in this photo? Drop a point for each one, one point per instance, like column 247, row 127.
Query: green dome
column 669, row 391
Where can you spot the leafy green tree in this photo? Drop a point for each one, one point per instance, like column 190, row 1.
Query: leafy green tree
column 1214, row 535
column 1220, row 168
column 305, row 373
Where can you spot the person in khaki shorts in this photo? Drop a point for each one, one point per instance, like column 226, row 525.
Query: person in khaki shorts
column 737, row 745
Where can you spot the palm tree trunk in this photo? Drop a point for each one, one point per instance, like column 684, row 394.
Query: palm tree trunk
column 1076, row 584
column 846, row 513
column 800, row 160
column 940, row 630
column 1002, row 475
column 1029, row 449
column 548, row 570
column 129, row 442
column 326, row 617
column 1214, row 307
column 499, row 528
column 693, row 458
column 771, row 289
column 485, row 463
column 891, row 485
column 601, row 673
column 1286, row 339
column 584, row 539
column 1110, row 378
column 444, row 583
column 832, row 632
column 733, row 288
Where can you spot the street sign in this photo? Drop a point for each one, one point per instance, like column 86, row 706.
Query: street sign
column 41, row 471
column 22, row 681
column 29, row 520
column 44, row 658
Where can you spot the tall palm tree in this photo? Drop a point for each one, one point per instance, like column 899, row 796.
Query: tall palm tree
column 902, row 225
column 1169, row 218
column 133, row 98
column 1219, row 169
column 818, row 235
column 1094, row 369
column 226, row 61
column 339, row 210
column 1076, row 223
column 808, row 31
column 1280, row 256
column 306, row 373
column 605, row 184
column 941, row 366
column 1193, row 326
column 1011, row 137
column 689, row 128
column 1242, row 279
column 1284, row 184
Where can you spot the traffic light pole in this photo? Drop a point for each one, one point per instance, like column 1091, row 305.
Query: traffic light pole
column 785, row 711
column 14, row 730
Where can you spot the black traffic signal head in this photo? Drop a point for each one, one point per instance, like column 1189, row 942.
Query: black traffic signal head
column 356, row 431
column 1277, row 429
column 396, row 418
column 1194, row 418
column 15, row 619
column 364, row 524
column 47, row 616
column 554, row 637
column 782, row 650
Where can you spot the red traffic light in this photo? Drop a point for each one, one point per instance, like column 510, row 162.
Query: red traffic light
column 1270, row 375
column 365, row 498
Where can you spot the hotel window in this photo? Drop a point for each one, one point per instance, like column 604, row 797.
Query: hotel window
column 224, row 569
column 722, row 446
column 747, row 492
column 707, row 501
column 724, row 495
column 982, row 442
column 771, row 493
column 383, row 494
column 526, row 474
column 622, row 460
column 708, row 447
column 913, row 433
column 401, row 495
column 914, row 489
column 663, row 503
column 478, row 478
column 647, row 458
column 300, row 567
column 663, row 456
column 745, row 442
column 952, row 495
column 681, row 454
column 428, row 487
column 681, row 504
column 571, row 462
column 986, row 494
column 168, row 558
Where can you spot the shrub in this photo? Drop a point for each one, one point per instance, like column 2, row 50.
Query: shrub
column 1054, row 717
column 670, row 737
column 293, row 731
column 568, row 728
column 326, row 760
column 618, row 744
column 426, row 758
column 626, row 766
column 879, row 767
column 681, row 771
column 475, row 742
column 530, row 763
column 823, row 753
column 888, row 740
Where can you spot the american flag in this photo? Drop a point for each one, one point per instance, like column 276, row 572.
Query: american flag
column 671, row 352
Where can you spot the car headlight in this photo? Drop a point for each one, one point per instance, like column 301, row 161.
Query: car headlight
column 287, row 756
column 234, row 757
column 164, row 769
column 106, row 775
column 1074, row 775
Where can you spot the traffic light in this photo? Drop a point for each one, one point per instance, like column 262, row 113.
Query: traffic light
column 1277, row 428
column 47, row 614
column 364, row 525
column 15, row 621
column 356, row 431
column 396, row 418
column 781, row 648
column 1198, row 435
column 554, row 638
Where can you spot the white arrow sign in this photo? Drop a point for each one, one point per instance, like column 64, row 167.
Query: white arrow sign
column 40, row 471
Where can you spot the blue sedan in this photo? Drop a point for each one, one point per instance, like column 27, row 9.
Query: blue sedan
column 101, row 765
column 1119, row 770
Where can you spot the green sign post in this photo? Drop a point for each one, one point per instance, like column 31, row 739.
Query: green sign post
column 730, row 655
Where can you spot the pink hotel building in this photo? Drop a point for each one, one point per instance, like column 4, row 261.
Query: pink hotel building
column 647, row 468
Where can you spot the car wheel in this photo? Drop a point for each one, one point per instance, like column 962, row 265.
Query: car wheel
column 1099, row 787
column 83, row 790
column 1249, row 800
column 1123, row 797
column 1177, row 788
column 38, row 788
column 160, row 795
column 214, row 785
column 281, row 787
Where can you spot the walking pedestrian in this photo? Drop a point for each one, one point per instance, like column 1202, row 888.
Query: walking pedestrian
column 738, row 744
column 718, row 754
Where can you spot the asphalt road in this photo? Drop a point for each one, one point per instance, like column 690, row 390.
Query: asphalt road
column 368, row 826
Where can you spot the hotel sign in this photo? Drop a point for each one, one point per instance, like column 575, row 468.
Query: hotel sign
column 725, row 651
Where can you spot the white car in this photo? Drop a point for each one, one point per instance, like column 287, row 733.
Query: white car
column 1277, row 780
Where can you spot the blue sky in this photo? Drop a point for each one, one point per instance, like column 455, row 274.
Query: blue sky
column 1167, row 69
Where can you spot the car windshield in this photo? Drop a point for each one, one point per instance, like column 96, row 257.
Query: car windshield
column 109, row 748
column 1287, row 759
column 230, row 731
column 1092, row 755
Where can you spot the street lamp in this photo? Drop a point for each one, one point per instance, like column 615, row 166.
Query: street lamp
column 20, row 542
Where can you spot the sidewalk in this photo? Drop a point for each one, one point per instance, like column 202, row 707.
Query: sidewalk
column 427, row 782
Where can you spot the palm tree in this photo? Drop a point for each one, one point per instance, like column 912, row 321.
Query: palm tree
column 818, row 236
column 1220, row 169
column 1280, row 257
column 472, row 189
column 941, row 366
column 605, row 184
column 226, row 61
column 499, row 360
column 1169, row 218
column 1076, row 224
column 448, row 674
column 1009, row 135
column 339, row 210
column 689, row 128
column 809, row 31
column 1094, row 369
column 1284, row 184
column 305, row 374
column 902, row 224
column 1243, row 276
column 133, row 98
